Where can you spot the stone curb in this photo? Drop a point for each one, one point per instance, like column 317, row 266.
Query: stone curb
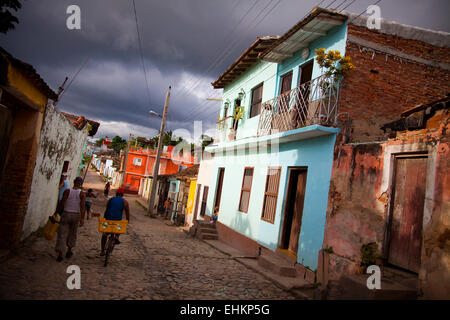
column 240, row 259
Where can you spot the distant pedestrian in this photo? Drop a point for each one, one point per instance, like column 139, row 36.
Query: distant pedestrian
column 63, row 186
column 107, row 187
column 114, row 211
column 214, row 215
column 88, row 204
column 72, row 206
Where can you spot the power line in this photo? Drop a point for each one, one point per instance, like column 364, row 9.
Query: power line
column 364, row 11
column 226, row 53
column 269, row 65
column 304, row 39
column 203, row 104
column 225, row 40
column 140, row 50
column 347, row 5
column 340, row 4
column 71, row 80
column 208, row 114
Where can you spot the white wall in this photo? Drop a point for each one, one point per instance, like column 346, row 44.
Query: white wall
column 60, row 141
column 203, row 179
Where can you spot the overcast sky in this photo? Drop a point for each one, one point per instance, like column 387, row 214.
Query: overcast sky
column 186, row 44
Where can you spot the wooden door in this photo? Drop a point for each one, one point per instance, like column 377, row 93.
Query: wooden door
column 304, row 92
column 294, row 210
column 408, row 199
column 204, row 200
column 297, row 212
column 219, row 190
column 197, row 199
column 286, row 82
column 306, row 72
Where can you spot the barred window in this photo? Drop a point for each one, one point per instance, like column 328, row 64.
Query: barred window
column 245, row 190
column 271, row 194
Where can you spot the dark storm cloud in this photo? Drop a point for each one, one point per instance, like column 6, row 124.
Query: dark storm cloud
column 181, row 40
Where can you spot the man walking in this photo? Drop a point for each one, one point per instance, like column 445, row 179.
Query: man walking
column 72, row 206
column 114, row 211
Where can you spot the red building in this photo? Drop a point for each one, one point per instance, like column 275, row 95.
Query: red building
column 140, row 163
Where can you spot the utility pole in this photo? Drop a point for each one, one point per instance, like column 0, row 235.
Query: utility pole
column 87, row 168
column 124, row 167
column 158, row 155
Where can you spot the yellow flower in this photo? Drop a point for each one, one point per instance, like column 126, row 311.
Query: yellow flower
column 334, row 64
column 320, row 51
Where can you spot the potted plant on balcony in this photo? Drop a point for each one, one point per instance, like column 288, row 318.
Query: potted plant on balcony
column 334, row 68
column 238, row 114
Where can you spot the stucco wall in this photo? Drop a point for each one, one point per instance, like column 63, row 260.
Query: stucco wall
column 59, row 141
column 315, row 154
column 270, row 74
column 358, row 205
column 261, row 72
column 203, row 179
column 334, row 40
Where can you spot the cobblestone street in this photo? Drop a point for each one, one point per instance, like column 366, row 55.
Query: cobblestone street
column 153, row 261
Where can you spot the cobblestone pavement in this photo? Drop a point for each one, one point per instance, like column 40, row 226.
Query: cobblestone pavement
column 153, row 261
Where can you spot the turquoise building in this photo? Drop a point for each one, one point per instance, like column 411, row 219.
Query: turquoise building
column 272, row 162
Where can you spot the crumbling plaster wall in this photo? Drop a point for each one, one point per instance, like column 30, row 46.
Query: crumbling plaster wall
column 59, row 141
column 434, row 273
column 358, row 201
column 356, row 205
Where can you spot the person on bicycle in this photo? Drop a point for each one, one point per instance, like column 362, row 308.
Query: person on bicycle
column 114, row 211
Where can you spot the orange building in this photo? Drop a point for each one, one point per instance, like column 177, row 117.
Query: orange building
column 140, row 164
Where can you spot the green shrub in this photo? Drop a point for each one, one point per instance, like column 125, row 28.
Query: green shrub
column 369, row 254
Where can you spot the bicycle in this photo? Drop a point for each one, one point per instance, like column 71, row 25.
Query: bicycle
column 112, row 228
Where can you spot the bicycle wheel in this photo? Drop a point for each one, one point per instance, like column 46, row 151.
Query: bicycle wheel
column 109, row 248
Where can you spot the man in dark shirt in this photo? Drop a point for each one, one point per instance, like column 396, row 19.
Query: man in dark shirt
column 114, row 211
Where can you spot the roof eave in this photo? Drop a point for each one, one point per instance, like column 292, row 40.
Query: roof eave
column 247, row 58
column 326, row 16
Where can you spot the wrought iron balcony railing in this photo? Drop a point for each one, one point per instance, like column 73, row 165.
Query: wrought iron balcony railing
column 222, row 127
column 314, row 102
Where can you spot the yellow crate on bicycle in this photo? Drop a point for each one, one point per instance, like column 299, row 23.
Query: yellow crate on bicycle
column 112, row 226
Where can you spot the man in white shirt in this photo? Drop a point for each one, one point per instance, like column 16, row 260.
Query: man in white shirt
column 73, row 203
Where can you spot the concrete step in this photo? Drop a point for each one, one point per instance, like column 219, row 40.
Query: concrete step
column 405, row 278
column 208, row 231
column 207, row 225
column 355, row 287
column 277, row 265
column 286, row 255
column 208, row 236
column 306, row 293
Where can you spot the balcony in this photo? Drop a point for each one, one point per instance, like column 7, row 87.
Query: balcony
column 314, row 102
column 222, row 127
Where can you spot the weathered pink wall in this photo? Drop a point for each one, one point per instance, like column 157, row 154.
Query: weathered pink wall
column 358, row 206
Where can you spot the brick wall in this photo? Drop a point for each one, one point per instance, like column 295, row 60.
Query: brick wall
column 383, row 86
column 16, row 181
